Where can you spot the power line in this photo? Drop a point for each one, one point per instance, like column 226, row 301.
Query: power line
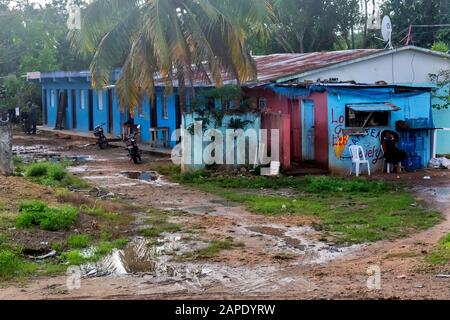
column 429, row 25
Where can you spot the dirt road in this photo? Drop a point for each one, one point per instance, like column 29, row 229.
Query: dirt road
column 281, row 257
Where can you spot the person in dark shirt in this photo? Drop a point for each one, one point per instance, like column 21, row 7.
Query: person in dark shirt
column 392, row 153
column 32, row 118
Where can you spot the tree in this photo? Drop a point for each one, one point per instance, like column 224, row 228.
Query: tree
column 442, row 92
column 419, row 12
column 33, row 38
column 167, row 38
column 348, row 18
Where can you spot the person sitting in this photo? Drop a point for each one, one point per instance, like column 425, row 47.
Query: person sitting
column 392, row 153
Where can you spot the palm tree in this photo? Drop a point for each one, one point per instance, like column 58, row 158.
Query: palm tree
column 169, row 39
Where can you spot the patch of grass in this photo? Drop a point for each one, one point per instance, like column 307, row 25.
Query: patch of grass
column 158, row 220
column 99, row 211
column 65, row 196
column 352, row 219
column 79, row 241
column 213, row 249
column 18, row 165
column 13, row 266
column 75, row 257
column 37, row 213
column 57, row 246
column 441, row 255
column 156, row 231
column 105, row 247
column 311, row 184
column 3, row 240
column 53, row 175
column 351, row 210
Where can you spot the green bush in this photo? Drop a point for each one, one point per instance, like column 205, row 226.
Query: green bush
column 79, row 241
column 56, row 172
column 74, row 257
column 38, row 169
column 11, row 265
column 37, row 213
column 53, row 175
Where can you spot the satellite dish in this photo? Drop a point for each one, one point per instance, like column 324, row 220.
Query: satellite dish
column 386, row 30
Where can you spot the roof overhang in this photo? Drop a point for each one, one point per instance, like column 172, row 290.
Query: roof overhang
column 373, row 107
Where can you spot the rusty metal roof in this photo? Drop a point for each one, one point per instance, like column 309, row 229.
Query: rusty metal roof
column 270, row 67
column 276, row 66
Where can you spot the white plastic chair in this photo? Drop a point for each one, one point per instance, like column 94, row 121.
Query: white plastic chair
column 358, row 158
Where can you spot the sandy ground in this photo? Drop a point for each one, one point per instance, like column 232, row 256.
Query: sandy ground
column 281, row 257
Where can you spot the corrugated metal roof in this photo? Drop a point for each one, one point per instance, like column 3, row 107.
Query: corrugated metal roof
column 270, row 67
column 276, row 66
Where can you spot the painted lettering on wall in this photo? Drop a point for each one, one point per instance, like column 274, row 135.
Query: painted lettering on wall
column 370, row 141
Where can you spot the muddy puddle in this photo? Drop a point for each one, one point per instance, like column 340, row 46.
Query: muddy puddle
column 43, row 153
column 302, row 243
column 140, row 256
column 438, row 194
column 149, row 177
column 154, row 263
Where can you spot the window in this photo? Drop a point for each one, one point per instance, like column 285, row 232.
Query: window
column 165, row 107
column 83, row 100
column 100, row 101
column 363, row 119
column 52, row 98
column 262, row 103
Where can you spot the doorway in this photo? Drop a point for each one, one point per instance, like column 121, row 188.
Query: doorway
column 44, row 112
column 74, row 109
column 308, row 131
column 296, row 130
column 110, row 112
column 91, row 110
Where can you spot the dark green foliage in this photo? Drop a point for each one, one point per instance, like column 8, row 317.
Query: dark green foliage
column 36, row 213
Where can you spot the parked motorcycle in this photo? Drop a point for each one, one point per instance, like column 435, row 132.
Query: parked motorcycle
column 102, row 141
column 133, row 150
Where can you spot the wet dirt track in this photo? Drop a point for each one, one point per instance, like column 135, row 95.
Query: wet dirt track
column 280, row 258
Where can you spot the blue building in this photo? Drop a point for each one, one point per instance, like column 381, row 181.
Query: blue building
column 407, row 66
column 69, row 102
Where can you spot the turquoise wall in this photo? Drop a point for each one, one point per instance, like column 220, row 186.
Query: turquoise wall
column 198, row 149
column 100, row 115
column 442, row 120
column 412, row 106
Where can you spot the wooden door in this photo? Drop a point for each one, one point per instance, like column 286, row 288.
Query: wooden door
column 296, row 130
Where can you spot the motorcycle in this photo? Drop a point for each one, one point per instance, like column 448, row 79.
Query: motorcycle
column 133, row 150
column 102, row 141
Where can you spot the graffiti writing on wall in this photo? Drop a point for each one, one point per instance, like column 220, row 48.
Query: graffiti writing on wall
column 369, row 140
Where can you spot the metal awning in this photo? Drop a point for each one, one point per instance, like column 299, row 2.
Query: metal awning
column 373, row 107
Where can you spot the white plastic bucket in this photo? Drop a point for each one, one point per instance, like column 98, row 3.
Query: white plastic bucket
column 275, row 168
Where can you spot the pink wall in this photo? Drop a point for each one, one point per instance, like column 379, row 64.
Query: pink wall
column 321, row 127
column 280, row 104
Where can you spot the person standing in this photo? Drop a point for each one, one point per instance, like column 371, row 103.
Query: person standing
column 33, row 117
